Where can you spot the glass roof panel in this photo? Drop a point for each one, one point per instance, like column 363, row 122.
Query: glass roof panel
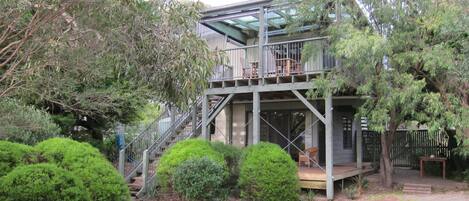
column 241, row 26
column 255, row 23
column 272, row 15
column 248, row 19
column 279, row 21
column 229, row 21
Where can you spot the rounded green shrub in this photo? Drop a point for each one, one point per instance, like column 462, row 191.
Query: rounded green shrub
column 13, row 155
column 200, row 179
column 268, row 173
column 65, row 152
column 100, row 178
column 182, row 151
column 42, row 182
column 232, row 157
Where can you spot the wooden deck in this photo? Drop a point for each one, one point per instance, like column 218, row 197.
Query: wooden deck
column 315, row 178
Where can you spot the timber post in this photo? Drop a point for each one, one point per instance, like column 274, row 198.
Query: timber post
column 205, row 130
column 329, row 149
column 122, row 162
column 145, row 170
column 256, row 122
column 358, row 143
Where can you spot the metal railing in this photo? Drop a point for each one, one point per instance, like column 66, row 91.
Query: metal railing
column 278, row 59
column 130, row 157
column 150, row 176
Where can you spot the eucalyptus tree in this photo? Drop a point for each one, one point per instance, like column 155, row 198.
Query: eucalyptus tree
column 406, row 58
column 92, row 63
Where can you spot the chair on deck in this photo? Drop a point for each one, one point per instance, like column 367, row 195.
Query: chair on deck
column 311, row 153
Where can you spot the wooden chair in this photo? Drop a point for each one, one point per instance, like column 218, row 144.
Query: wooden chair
column 312, row 153
column 249, row 71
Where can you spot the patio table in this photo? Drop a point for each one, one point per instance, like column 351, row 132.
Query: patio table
column 442, row 160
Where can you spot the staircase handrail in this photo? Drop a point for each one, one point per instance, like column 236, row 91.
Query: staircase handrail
column 143, row 132
column 191, row 134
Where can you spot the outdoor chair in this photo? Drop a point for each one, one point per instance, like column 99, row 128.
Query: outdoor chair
column 311, row 153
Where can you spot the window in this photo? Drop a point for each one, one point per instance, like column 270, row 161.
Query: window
column 347, row 132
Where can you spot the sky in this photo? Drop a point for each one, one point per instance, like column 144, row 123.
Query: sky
column 214, row 3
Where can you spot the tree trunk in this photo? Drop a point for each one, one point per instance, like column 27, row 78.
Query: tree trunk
column 385, row 161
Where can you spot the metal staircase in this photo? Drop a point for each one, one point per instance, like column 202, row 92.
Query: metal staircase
column 139, row 158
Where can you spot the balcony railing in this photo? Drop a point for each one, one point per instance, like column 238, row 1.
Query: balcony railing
column 278, row 59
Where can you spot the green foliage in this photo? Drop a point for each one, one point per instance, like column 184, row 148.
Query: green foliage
column 310, row 196
column 66, row 152
column 268, row 173
column 13, row 155
column 200, row 179
column 95, row 63
column 351, row 192
column 42, row 182
column 232, row 157
column 25, row 124
column 182, row 151
column 465, row 176
column 101, row 179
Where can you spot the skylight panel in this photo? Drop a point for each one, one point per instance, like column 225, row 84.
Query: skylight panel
column 229, row 22
column 248, row 19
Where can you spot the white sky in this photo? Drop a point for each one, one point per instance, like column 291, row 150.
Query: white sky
column 214, row 3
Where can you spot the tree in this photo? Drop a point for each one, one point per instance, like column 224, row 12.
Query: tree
column 25, row 124
column 401, row 59
column 99, row 62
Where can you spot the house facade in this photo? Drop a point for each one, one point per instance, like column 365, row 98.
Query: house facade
column 260, row 84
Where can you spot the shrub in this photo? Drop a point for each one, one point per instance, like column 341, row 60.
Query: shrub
column 268, row 173
column 13, row 155
column 200, row 179
column 100, row 178
column 42, row 182
column 232, row 156
column 65, row 152
column 182, row 151
column 465, row 176
column 351, row 192
column 25, row 124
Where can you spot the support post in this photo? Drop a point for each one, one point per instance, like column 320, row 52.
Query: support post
column 172, row 111
column 256, row 122
column 261, row 42
column 205, row 130
column 308, row 129
column 229, row 124
column 329, row 148
column 122, row 162
column 194, row 118
column 145, row 169
column 358, row 143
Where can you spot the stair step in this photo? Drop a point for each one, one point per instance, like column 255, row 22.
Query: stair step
column 418, row 185
column 417, row 188
column 135, row 186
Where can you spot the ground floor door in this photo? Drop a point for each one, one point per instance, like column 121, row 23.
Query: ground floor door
column 285, row 128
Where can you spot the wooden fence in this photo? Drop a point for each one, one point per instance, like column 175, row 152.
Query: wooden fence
column 408, row 146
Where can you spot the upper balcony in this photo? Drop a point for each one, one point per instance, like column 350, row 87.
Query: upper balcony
column 255, row 48
column 279, row 60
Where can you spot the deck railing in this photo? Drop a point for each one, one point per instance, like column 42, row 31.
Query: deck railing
column 277, row 59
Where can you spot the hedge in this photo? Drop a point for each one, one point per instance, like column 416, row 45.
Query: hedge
column 13, row 155
column 42, row 182
column 99, row 176
column 200, row 179
column 232, row 156
column 268, row 173
column 182, row 151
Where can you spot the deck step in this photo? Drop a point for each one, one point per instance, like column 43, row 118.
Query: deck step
column 417, row 188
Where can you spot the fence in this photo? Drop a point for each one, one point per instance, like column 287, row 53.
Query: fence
column 407, row 147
